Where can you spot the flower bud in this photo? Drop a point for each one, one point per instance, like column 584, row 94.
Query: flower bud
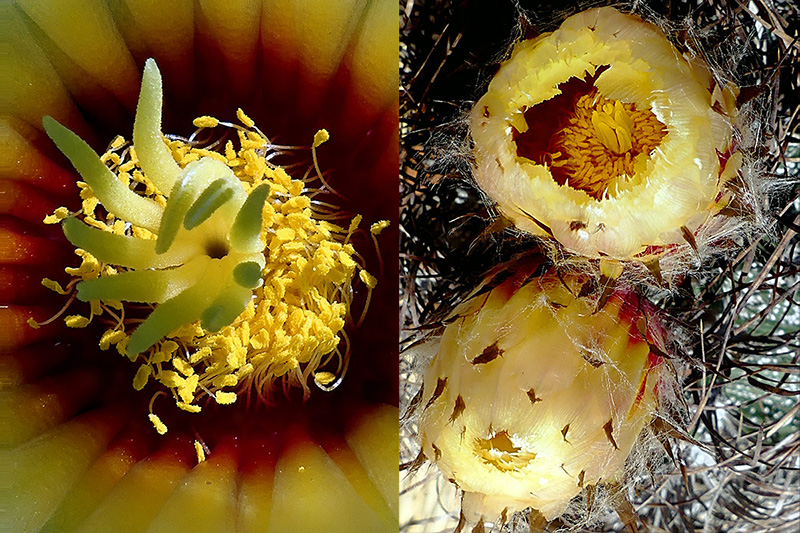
column 535, row 393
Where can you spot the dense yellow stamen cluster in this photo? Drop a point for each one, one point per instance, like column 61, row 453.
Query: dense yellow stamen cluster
column 295, row 320
column 602, row 141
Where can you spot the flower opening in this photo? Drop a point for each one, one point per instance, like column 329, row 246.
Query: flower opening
column 592, row 141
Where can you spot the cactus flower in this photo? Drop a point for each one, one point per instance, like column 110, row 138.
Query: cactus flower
column 535, row 394
column 79, row 451
column 607, row 138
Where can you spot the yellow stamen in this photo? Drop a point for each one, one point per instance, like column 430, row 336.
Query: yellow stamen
column 141, row 377
column 224, row 398
column 601, row 142
column 201, row 453
column 111, row 337
column 188, row 407
column 53, row 286
column 379, row 226
column 368, row 279
column 118, row 141
column 205, row 122
column 244, row 119
column 325, row 378
column 60, row 214
column 76, row 321
column 320, row 137
column 157, row 423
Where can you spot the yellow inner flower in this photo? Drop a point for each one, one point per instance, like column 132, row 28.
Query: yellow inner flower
column 588, row 141
column 295, row 318
column 500, row 452
column 220, row 309
column 602, row 141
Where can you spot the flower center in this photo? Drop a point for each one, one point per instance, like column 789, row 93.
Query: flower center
column 500, row 452
column 601, row 142
column 245, row 285
column 216, row 249
column 588, row 141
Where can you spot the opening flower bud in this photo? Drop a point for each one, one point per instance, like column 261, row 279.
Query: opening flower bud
column 535, row 393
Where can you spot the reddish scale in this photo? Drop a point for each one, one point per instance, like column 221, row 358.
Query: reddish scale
column 653, row 361
column 510, row 287
column 640, row 393
column 656, row 250
column 634, row 335
column 504, row 291
column 629, row 313
column 724, row 156
column 655, row 333
column 630, row 309
column 511, row 277
column 723, row 161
